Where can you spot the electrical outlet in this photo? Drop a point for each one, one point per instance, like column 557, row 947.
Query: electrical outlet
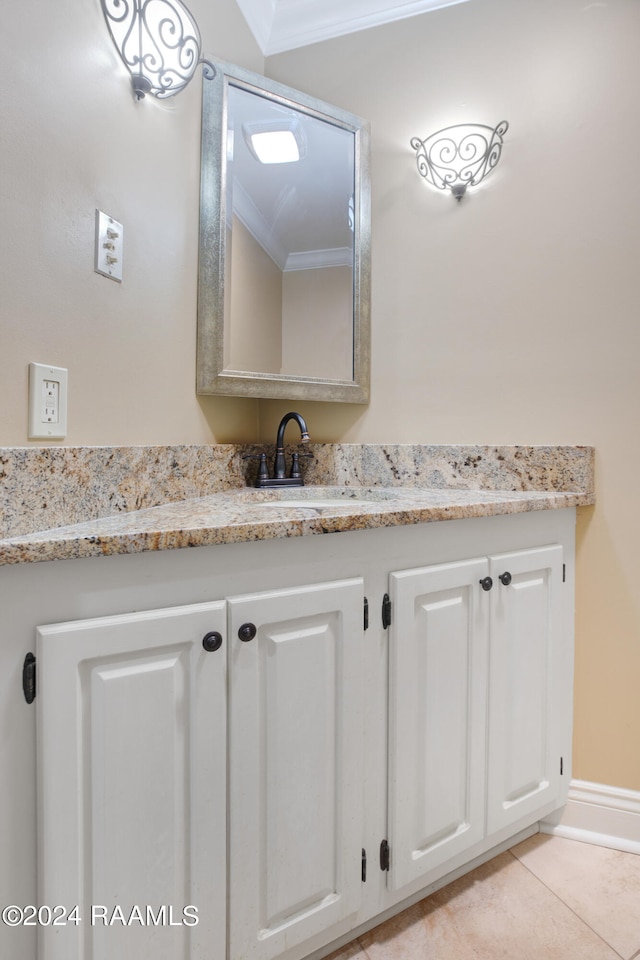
column 109, row 246
column 47, row 402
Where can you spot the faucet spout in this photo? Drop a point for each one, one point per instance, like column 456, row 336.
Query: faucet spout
column 280, row 478
column 279, row 469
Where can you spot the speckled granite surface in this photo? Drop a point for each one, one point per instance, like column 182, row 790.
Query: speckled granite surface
column 456, row 467
column 45, row 487
column 58, row 503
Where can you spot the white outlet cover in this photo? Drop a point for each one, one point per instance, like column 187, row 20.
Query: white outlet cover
column 47, row 402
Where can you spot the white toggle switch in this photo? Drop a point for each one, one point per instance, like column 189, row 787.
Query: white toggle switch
column 109, row 247
column 47, row 402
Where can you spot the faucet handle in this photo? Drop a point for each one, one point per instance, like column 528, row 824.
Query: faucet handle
column 263, row 471
column 295, row 464
column 295, row 467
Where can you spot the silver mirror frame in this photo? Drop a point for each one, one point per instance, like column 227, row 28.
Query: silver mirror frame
column 212, row 377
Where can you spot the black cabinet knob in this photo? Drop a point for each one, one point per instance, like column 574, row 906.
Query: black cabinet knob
column 486, row 583
column 212, row 641
column 247, row 632
column 505, row 578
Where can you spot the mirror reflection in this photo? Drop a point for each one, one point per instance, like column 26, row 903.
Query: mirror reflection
column 284, row 250
column 290, row 178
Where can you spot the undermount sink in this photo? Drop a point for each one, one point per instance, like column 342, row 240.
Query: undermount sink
column 324, row 498
column 324, row 504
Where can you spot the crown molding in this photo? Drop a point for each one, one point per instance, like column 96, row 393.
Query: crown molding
column 319, row 259
column 259, row 228
column 259, row 15
column 281, row 25
column 249, row 215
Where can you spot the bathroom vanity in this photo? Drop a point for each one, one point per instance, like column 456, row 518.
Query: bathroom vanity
column 287, row 736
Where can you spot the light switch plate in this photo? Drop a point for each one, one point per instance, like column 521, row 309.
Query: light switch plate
column 47, row 402
column 109, row 246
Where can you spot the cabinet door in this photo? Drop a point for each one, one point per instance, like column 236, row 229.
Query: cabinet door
column 131, row 785
column 437, row 705
column 525, row 682
column 295, row 801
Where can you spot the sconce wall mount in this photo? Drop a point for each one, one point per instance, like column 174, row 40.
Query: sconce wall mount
column 159, row 43
column 460, row 156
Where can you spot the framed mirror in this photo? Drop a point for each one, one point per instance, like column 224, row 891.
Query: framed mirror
column 284, row 268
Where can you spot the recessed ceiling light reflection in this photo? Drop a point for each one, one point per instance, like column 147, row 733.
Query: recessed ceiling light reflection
column 278, row 141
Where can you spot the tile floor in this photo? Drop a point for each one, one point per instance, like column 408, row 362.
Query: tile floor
column 546, row 899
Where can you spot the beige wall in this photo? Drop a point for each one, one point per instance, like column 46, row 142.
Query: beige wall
column 316, row 323
column 255, row 285
column 512, row 317
column 72, row 138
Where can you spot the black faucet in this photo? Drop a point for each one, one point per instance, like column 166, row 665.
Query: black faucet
column 280, row 478
column 279, row 466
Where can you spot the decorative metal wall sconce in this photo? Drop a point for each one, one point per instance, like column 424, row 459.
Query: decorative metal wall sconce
column 460, row 156
column 159, row 42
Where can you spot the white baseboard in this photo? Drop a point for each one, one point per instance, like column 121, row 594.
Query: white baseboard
column 596, row 813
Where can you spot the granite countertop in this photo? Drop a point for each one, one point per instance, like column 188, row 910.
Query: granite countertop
column 71, row 502
column 247, row 515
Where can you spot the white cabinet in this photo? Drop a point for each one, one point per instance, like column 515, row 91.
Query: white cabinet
column 476, row 684
column 437, row 707
column 526, row 684
column 132, row 791
column 248, row 781
column 133, row 757
column 295, row 765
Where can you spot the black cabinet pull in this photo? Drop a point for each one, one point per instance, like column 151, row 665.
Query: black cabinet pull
column 505, row 578
column 29, row 678
column 486, row 583
column 212, row 641
column 247, row 632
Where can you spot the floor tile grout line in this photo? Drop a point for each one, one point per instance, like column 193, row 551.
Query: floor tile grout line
column 363, row 949
column 571, row 910
column 635, row 956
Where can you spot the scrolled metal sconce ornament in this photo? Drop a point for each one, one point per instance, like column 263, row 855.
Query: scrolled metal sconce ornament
column 460, row 156
column 159, row 43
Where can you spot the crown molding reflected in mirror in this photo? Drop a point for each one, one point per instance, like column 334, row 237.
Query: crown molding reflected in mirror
column 284, row 272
